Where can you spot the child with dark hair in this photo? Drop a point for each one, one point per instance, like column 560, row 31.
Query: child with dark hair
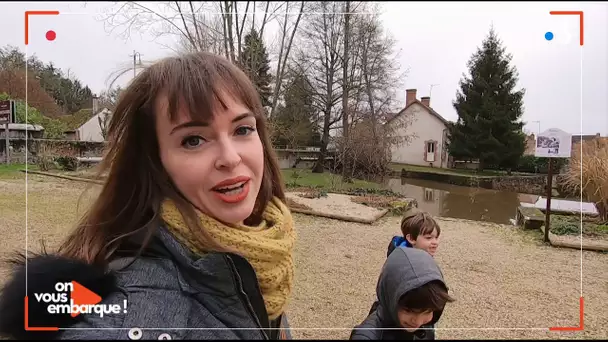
column 419, row 229
column 411, row 298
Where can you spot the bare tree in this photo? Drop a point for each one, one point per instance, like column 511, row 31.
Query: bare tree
column 108, row 98
column 284, row 54
column 320, row 54
column 104, row 119
column 371, row 79
column 380, row 73
column 198, row 26
column 214, row 26
column 345, row 85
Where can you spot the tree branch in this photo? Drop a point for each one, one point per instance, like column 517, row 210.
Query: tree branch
column 196, row 28
column 179, row 9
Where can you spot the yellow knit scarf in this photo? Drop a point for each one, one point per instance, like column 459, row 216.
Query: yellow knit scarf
column 268, row 247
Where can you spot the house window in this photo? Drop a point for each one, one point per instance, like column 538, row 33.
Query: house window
column 430, row 147
column 429, row 195
column 429, row 150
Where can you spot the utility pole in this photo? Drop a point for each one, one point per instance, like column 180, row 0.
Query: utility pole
column 431, row 90
column 538, row 122
column 136, row 55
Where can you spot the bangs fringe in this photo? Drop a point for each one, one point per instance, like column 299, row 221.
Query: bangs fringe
column 198, row 85
column 429, row 297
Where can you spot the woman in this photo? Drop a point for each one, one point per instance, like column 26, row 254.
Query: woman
column 190, row 235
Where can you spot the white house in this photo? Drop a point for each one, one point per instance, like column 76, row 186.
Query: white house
column 428, row 132
column 91, row 130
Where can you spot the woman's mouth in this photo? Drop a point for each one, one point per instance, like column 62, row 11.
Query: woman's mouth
column 232, row 191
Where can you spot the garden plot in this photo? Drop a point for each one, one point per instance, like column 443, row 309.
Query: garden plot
column 336, row 206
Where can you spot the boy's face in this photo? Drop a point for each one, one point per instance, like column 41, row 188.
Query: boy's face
column 412, row 321
column 428, row 242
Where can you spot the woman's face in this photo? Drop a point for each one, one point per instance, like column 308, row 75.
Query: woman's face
column 218, row 165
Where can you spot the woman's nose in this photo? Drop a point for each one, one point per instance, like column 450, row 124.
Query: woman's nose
column 228, row 154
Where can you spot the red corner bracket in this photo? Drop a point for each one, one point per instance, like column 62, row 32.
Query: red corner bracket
column 580, row 327
column 27, row 21
column 27, row 324
column 581, row 21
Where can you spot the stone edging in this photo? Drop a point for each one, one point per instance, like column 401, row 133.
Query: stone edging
column 532, row 184
column 78, row 179
column 340, row 217
column 575, row 242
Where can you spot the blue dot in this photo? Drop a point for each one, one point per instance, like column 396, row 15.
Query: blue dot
column 549, row 35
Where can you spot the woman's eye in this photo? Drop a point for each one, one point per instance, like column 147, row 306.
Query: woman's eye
column 244, row 130
column 192, row 142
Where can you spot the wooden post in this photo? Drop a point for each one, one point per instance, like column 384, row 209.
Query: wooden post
column 8, row 144
column 8, row 117
column 548, row 209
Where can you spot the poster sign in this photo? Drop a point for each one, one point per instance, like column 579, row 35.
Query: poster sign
column 6, row 112
column 553, row 143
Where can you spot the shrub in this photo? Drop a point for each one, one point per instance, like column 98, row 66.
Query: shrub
column 366, row 154
column 571, row 225
column 561, row 225
column 44, row 158
column 532, row 164
column 45, row 163
column 590, row 164
column 296, row 174
column 67, row 163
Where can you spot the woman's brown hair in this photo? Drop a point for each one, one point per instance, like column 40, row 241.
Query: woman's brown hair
column 137, row 183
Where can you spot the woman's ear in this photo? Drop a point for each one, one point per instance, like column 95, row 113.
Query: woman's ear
column 408, row 237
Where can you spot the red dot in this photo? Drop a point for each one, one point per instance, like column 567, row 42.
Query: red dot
column 51, row 35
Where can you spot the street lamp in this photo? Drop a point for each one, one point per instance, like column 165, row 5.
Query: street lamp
column 136, row 56
column 431, row 90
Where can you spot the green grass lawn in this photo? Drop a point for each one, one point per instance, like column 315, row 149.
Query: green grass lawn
column 12, row 171
column 305, row 178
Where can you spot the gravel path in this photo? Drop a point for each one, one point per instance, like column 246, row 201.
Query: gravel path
column 501, row 278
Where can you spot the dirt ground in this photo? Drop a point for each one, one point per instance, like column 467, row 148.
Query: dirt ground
column 501, row 278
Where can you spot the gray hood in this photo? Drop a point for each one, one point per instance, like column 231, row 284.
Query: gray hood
column 405, row 269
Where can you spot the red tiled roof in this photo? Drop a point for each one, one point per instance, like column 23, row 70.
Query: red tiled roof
column 429, row 109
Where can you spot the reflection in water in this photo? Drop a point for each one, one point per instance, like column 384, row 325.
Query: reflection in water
column 448, row 200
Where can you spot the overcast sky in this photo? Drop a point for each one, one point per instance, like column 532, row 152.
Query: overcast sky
column 435, row 41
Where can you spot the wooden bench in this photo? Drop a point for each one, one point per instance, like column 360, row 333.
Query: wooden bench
column 530, row 218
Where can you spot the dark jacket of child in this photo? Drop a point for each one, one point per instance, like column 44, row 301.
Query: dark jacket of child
column 405, row 269
column 396, row 241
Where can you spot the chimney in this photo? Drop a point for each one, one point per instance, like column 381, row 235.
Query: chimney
column 410, row 96
column 426, row 101
column 95, row 104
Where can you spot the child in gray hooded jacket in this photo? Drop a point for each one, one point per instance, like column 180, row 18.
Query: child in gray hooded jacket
column 411, row 297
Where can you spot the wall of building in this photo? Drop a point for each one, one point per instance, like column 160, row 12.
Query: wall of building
column 423, row 126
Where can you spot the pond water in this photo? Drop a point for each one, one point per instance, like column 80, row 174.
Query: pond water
column 440, row 199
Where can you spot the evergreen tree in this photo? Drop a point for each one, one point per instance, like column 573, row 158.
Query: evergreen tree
column 294, row 120
column 489, row 126
column 254, row 61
